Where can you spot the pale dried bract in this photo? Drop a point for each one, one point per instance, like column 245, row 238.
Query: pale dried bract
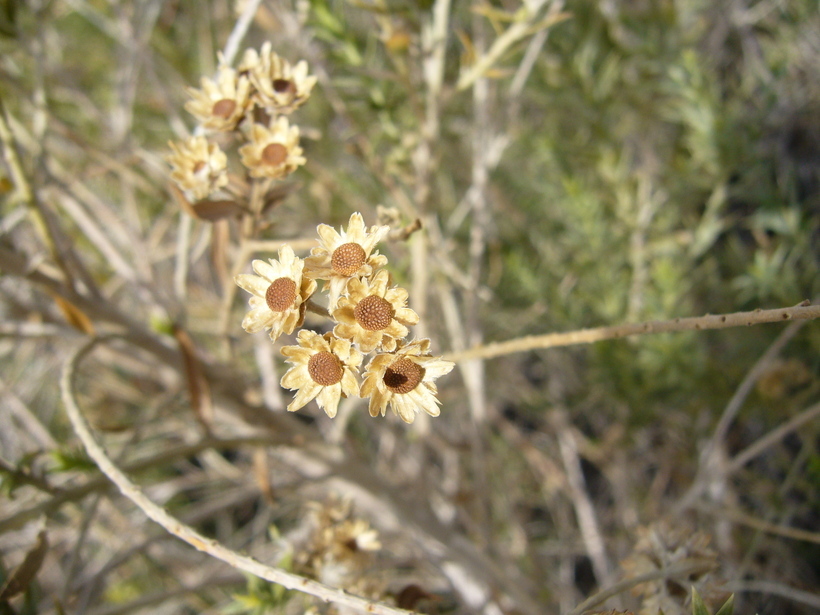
column 405, row 380
column 273, row 151
column 280, row 292
column 199, row 167
column 324, row 369
column 344, row 255
column 373, row 315
column 279, row 88
column 221, row 104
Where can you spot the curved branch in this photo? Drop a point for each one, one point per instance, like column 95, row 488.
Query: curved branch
column 185, row 532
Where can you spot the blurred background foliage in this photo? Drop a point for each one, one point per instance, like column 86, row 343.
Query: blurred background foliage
column 662, row 159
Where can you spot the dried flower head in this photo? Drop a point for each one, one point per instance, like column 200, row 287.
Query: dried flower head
column 199, row 167
column 324, row 368
column 373, row 315
column 405, row 379
column 280, row 87
column 280, row 292
column 345, row 255
column 221, row 104
column 273, row 152
column 340, row 548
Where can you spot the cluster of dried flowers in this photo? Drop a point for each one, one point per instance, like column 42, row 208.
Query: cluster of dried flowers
column 250, row 105
column 371, row 316
column 338, row 548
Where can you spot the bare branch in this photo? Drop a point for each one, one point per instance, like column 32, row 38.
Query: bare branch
column 803, row 311
column 185, row 532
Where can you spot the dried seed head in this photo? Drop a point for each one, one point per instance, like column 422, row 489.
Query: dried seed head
column 224, row 108
column 374, row 313
column 347, row 258
column 325, row 368
column 274, row 154
column 281, row 294
column 403, row 376
column 284, row 86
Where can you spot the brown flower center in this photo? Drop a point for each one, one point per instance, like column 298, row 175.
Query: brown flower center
column 274, row 154
column 374, row 313
column 403, row 376
column 281, row 294
column 325, row 368
column 200, row 164
column 347, row 258
column 224, row 108
column 284, row 86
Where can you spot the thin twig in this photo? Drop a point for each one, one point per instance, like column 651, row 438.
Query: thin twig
column 711, row 469
column 778, row 589
column 803, row 311
column 741, row 518
column 185, row 532
column 240, row 28
column 772, row 438
column 680, row 569
column 584, row 510
column 517, row 31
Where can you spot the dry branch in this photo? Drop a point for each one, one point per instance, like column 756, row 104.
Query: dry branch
column 802, row 311
column 183, row 531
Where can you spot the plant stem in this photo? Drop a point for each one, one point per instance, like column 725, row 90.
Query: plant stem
column 802, row 311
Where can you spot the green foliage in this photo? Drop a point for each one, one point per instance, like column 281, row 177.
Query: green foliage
column 71, row 460
column 260, row 598
column 699, row 608
column 654, row 158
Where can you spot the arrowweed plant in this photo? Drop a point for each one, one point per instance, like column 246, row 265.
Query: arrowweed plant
column 442, row 215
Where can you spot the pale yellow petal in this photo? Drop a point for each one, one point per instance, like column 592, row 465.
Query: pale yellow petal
column 345, row 330
column 329, row 237
column 304, row 396
column 252, row 283
column 376, row 235
column 295, row 378
column 378, row 403
column 349, row 384
column 257, row 319
column 397, row 295
column 407, row 316
column 268, row 270
column 396, row 329
column 328, row 399
column 437, row 368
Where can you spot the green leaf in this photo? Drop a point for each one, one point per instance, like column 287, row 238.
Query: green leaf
column 698, row 607
column 69, row 460
column 727, row 607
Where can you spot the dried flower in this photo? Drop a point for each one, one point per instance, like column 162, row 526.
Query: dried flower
column 280, row 88
column 405, row 380
column 273, row 152
column 220, row 105
column 199, row 167
column 339, row 550
column 280, row 292
column 324, row 369
column 342, row 256
column 373, row 315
